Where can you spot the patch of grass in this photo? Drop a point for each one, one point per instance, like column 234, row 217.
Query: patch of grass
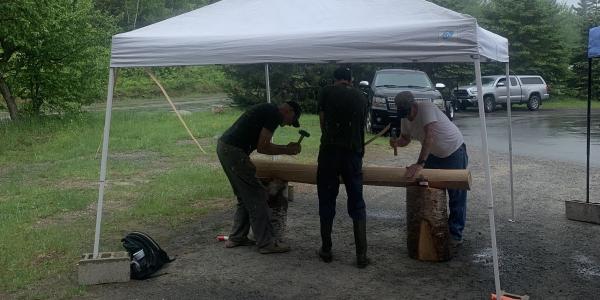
column 49, row 181
column 135, row 83
column 569, row 103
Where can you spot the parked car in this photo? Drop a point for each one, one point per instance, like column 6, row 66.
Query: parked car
column 387, row 83
column 524, row 89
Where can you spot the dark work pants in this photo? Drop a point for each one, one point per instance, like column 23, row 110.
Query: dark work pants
column 332, row 164
column 252, row 208
column 457, row 198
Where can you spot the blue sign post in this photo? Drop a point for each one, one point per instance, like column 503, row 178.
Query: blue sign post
column 593, row 51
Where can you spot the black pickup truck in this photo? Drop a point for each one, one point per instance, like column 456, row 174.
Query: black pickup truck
column 387, row 83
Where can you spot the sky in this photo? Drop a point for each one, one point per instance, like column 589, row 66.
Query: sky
column 571, row 2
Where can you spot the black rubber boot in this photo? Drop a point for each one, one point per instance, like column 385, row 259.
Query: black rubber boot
column 360, row 240
column 325, row 251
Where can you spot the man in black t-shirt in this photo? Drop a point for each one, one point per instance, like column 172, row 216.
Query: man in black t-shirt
column 342, row 112
column 253, row 130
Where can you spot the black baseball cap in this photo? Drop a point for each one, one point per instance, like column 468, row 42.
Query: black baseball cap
column 297, row 112
column 343, row 73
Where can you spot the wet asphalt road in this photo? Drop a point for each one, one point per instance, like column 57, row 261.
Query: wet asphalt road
column 557, row 134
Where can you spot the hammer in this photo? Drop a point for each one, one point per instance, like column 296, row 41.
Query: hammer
column 303, row 133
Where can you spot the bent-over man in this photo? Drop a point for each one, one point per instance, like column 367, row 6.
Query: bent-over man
column 442, row 147
column 253, row 131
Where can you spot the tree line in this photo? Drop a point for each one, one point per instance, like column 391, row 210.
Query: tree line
column 54, row 54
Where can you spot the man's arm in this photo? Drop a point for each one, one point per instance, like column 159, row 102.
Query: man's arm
column 322, row 120
column 402, row 141
column 414, row 169
column 427, row 142
column 265, row 146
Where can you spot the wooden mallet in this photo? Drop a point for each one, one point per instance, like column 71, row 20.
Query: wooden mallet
column 303, row 133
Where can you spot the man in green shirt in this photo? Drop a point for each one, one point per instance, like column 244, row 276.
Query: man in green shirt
column 342, row 112
column 253, row 131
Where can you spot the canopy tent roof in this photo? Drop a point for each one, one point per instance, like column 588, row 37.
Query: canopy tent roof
column 594, row 43
column 309, row 31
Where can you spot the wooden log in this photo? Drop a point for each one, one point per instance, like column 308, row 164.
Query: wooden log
column 427, row 224
column 372, row 175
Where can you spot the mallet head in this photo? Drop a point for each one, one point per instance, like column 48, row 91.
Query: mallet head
column 303, row 133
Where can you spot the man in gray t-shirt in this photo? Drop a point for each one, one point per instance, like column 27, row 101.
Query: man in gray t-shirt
column 442, row 147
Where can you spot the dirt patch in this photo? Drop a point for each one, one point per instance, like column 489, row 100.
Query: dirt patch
column 542, row 254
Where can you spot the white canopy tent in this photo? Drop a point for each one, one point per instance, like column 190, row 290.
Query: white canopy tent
column 311, row 31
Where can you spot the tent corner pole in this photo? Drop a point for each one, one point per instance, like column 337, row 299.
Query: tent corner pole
column 589, row 117
column 103, row 162
column 488, row 177
column 268, row 85
column 510, row 141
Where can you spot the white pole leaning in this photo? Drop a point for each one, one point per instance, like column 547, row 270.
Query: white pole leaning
column 268, row 84
column 510, row 148
column 488, row 176
column 105, row 139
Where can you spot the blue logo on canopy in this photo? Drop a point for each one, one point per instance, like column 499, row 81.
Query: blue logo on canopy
column 447, row 35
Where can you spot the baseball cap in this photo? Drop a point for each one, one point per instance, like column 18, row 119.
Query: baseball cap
column 297, row 112
column 343, row 73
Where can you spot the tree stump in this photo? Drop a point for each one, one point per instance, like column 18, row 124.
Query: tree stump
column 427, row 224
column 278, row 202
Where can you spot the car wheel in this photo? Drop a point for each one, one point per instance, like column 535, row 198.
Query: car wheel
column 489, row 104
column 534, row 102
column 450, row 111
column 369, row 126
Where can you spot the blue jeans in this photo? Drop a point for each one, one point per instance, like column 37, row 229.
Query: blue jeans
column 334, row 163
column 457, row 198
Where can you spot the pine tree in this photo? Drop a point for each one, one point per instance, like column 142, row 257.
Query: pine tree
column 535, row 44
column 588, row 12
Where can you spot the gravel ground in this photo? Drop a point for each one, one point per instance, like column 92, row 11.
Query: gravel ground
column 542, row 254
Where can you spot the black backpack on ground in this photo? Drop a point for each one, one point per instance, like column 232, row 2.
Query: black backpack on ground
column 146, row 255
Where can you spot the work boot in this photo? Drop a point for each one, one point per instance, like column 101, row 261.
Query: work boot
column 360, row 240
column 325, row 250
column 244, row 242
column 274, row 247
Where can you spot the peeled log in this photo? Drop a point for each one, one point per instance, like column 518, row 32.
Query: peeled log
column 372, row 175
column 427, row 224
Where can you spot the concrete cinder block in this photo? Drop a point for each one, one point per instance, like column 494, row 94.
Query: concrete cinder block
column 108, row 267
column 584, row 212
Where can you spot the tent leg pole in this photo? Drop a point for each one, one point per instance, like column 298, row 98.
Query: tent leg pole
column 510, row 144
column 109, row 98
column 589, row 117
column 488, row 177
column 268, row 83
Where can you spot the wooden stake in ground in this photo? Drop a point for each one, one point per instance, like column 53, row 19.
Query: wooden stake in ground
column 175, row 109
column 427, row 224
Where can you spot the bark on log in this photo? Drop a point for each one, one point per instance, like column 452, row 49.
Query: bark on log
column 427, row 224
column 278, row 203
column 372, row 175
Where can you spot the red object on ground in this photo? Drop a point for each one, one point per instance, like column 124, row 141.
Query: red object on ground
column 507, row 296
column 222, row 237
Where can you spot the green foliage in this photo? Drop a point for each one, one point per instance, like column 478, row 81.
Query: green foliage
column 298, row 82
column 134, row 14
column 587, row 16
column 54, row 52
column 535, row 45
column 178, row 81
